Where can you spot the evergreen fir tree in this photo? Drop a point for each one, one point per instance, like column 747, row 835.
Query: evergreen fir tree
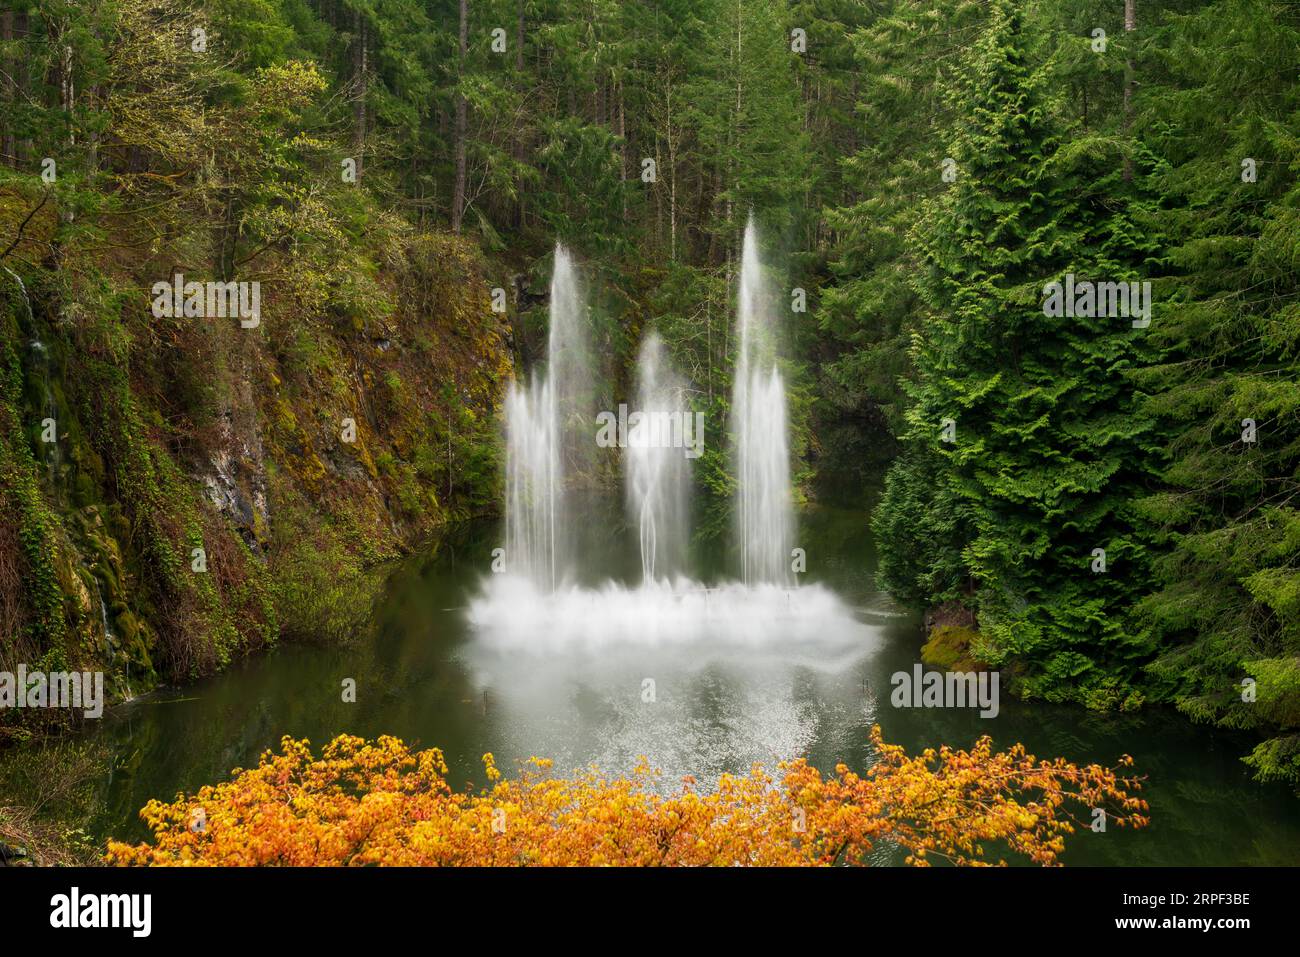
column 1048, row 447
column 1227, row 605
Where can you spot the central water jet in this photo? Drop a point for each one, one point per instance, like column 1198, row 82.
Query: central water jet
column 764, row 517
column 657, row 472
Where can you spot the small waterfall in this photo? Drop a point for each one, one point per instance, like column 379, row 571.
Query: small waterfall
column 103, row 614
column 21, row 288
column 765, row 518
column 50, row 451
column 51, row 454
column 110, row 640
column 657, row 471
column 537, row 420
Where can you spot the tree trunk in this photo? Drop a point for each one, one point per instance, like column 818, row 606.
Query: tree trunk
column 708, row 344
column 23, row 79
column 458, row 193
column 732, row 135
column 360, row 83
column 1130, row 24
column 622, row 148
column 8, row 144
column 672, row 177
column 519, row 125
column 67, row 91
column 67, row 102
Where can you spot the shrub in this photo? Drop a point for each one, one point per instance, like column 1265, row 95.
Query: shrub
column 366, row 803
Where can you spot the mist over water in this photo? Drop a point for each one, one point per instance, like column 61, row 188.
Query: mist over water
column 518, row 616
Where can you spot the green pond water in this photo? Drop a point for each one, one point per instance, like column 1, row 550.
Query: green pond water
column 423, row 673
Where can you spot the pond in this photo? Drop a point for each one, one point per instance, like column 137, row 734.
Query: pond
column 698, row 707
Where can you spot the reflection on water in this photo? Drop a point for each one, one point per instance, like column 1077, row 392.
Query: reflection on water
column 699, row 707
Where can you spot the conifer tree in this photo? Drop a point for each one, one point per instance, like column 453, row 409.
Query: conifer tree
column 1024, row 448
column 1222, row 127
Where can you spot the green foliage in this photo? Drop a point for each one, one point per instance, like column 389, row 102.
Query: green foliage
column 1070, row 439
column 1227, row 602
column 1049, row 446
column 903, row 58
column 324, row 588
column 32, row 596
column 179, row 434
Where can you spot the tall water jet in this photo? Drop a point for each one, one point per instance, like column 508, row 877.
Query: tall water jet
column 533, row 476
column 537, row 419
column 657, row 471
column 569, row 368
column 764, row 519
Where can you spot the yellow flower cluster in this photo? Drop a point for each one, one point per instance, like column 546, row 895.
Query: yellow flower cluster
column 364, row 803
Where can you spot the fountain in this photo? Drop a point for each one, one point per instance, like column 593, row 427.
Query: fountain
column 657, row 471
column 533, row 491
column 764, row 518
column 538, row 603
column 538, row 418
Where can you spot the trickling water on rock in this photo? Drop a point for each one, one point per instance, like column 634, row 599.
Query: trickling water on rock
column 111, row 641
column 50, row 454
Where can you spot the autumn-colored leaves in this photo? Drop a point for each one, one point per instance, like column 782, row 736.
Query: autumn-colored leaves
column 381, row 803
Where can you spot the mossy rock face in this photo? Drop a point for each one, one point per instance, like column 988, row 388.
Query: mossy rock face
column 127, row 627
column 84, row 488
column 949, row 647
column 112, row 513
column 101, row 552
column 77, row 601
column 134, row 639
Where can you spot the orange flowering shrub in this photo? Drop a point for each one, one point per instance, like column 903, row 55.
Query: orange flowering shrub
column 381, row 803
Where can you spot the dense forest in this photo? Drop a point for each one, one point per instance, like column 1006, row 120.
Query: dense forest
column 1103, row 509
